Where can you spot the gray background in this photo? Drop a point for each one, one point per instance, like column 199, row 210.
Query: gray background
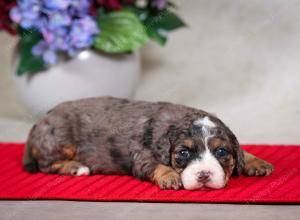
column 237, row 59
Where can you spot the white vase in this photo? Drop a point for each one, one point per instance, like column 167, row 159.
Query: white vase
column 90, row 74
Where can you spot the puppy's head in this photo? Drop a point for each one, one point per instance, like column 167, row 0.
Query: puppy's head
column 205, row 153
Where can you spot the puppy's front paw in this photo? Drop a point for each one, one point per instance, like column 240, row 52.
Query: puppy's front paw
column 166, row 177
column 170, row 180
column 258, row 167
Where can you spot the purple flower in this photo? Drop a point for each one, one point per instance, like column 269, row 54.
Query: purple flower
column 81, row 30
column 57, row 40
column 57, row 4
column 27, row 13
column 58, row 19
column 43, row 49
column 65, row 25
column 160, row 4
column 80, row 7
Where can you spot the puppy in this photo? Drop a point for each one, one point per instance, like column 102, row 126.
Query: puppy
column 171, row 145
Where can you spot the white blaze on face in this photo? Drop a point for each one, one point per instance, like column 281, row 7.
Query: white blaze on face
column 206, row 122
column 206, row 162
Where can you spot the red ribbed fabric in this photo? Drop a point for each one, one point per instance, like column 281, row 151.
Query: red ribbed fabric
column 283, row 186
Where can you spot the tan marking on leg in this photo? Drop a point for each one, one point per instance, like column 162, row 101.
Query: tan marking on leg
column 166, row 177
column 66, row 167
column 69, row 151
column 35, row 152
column 255, row 166
column 56, row 166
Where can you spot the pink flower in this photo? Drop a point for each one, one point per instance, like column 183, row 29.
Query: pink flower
column 5, row 21
column 111, row 5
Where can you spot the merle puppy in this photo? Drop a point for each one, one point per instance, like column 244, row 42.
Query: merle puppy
column 170, row 145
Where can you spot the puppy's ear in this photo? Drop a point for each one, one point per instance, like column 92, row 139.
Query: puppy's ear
column 238, row 152
column 166, row 143
column 163, row 147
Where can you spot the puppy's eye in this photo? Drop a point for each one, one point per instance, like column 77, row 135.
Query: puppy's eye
column 221, row 152
column 184, row 154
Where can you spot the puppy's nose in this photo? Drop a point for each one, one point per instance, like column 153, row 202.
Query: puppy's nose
column 203, row 176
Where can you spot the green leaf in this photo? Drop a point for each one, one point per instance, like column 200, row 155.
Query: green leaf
column 166, row 20
column 120, row 32
column 159, row 37
column 28, row 63
column 158, row 23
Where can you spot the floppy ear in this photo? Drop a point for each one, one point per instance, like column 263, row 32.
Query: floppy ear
column 163, row 149
column 164, row 146
column 238, row 152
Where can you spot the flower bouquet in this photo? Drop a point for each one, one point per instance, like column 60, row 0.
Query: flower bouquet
column 53, row 29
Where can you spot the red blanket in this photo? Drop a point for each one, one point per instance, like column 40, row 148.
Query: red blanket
column 283, row 186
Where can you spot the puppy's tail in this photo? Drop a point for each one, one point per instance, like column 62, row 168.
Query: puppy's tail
column 29, row 162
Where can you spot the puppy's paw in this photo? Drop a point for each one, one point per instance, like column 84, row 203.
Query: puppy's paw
column 170, row 180
column 258, row 167
column 166, row 177
column 81, row 171
column 70, row 167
